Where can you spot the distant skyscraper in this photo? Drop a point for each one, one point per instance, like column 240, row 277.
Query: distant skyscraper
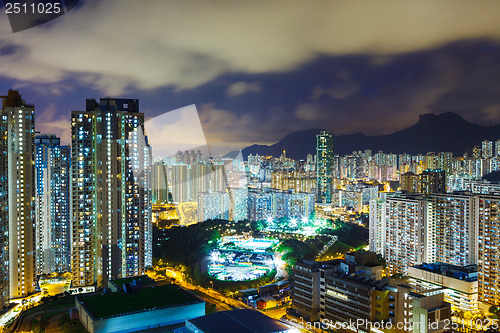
column 409, row 182
column 238, row 204
column 324, row 166
column 433, row 181
column 160, row 183
column 111, row 172
column 431, row 160
column 429, row 181
column 497, row 148
column 52, row 227
column 476, row 152
column 180, row 183
column 213, row 205
column 445, row 162
column 260, row 206
column 487, row 149
column 276, row 205
column 17, row 130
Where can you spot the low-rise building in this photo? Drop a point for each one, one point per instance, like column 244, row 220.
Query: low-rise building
column 345, row 298
column 278, row 288
column 431, row 314
column 347, row 295
column 241, row 321
column 306, row 286
column 137, row 282
column 248, row 294
column 139, row 310
column 267, row 302
column 458, row 283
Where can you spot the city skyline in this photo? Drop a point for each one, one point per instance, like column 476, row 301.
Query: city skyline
column 230, row 165
column 409, row 205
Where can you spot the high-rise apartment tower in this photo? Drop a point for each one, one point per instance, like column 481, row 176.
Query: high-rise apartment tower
column 52, row 177
column 324, row 167
column 111, row 193
column 17, row 141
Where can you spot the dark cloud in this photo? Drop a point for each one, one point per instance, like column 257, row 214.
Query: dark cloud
column 117, row 45
column 258, row 70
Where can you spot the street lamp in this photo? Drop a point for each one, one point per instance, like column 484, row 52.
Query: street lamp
column 212, row 283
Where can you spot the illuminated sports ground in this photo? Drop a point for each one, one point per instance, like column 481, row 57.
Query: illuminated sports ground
column 240, row 258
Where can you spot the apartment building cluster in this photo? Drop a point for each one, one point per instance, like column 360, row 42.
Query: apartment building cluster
column 459, row 228
column 274, row 205
column 84, row 208
column 352, row 294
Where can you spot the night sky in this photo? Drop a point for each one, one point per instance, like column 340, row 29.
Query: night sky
column 258, row 70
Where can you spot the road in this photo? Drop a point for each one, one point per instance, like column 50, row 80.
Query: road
column 219, row 306
column 52, row 324
column 233, row 303
column 223, row 302
column 32, row 300
column 211, row 295
column 19, row 308
column 333, row 239
column 276, row 313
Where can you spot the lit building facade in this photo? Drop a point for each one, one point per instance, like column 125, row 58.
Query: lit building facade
column 488, row 243
column 238, row 204
column 405, row 224
column 429, row 181
column 377, row 223
column 408, row 229
column 160, row 183
column 189, row 180
column 17, row 192
column 276, row 205
column 293, row 180
column 260, row 205
column 324, row 167
column 52, row 175
column 112, row 199
column 487, row 149
column 452, row 229
column 213, row 205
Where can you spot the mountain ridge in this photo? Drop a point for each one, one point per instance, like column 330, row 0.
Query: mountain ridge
column 446, row 131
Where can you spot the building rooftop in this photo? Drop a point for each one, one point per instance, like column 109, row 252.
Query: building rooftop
column 465, row 273
column 145, row 281
column 316, row 265
column 241, row 321
column 146, row 299
column 360, row 280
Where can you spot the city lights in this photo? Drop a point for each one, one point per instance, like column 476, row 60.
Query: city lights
column 264, row 166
